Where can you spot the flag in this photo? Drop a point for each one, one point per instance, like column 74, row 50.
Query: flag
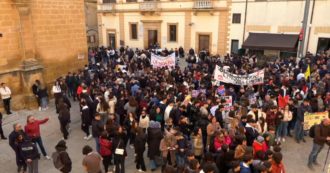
column 307, row 72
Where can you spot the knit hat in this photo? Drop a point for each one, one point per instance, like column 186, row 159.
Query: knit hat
column 260, row 139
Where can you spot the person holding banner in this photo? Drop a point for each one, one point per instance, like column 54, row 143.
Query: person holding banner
column 322, row 136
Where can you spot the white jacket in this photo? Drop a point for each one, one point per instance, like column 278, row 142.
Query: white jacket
column 5, row 92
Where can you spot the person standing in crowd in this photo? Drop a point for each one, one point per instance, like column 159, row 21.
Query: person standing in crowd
column 13, row 136
column 197, row 142
column 153, row 139
column 322, row 136
column 43, row 96
column 91, row 161
column 32, row 129
column 57, row 92
column 144, row 121
column 139, row 146
column 64, row 118
column 282, row 130
column 97, row 128
column 5, row 93
column 86, row 119
column 35, row 91
column 299, row 128
column 63, row 156
column 119, row 150
column 105, row 150
column 1, row 130
column 29, row 152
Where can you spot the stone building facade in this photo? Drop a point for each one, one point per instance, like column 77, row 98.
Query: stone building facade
column 40, row 39
column 221, row 26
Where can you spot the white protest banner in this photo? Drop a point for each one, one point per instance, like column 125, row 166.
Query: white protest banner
column 229, row 102
column 163, row 61
column 255, row 78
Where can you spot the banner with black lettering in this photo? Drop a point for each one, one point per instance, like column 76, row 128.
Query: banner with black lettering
column 256, row 78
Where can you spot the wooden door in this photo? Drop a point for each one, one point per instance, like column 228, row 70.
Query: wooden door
column 204, row 42
column 112, row 40
column 152, row 37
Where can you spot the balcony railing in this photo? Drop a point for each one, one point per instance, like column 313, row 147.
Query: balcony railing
column 107, row 7
column 203, row 4
column 149, row 6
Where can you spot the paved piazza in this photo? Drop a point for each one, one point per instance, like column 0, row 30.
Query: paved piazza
column 295, row 155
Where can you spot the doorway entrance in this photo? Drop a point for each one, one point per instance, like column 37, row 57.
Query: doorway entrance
column 203, row 42
column 152, row 37
column 112, row 40
column 323, row 44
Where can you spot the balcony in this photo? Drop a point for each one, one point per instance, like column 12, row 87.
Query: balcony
column 110, row 7
column 203, row 4
column 149, row 6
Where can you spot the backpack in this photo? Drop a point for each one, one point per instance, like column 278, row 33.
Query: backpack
column 57, row 160
column 312, row 131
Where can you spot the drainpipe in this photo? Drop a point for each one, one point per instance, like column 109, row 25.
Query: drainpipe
column 305, row 22
column 246, row 7
column 310, row 24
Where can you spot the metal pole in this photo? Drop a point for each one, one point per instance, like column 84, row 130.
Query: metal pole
column 305, row 22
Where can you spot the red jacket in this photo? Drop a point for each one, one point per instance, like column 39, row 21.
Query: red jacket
column 278, row 168
column 33, row 129
column 105, row 147
column 259, row 147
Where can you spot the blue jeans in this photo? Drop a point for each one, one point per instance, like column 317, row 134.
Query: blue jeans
column 180, row 160
column 314, row 153
column 299, row 130
column 153, row 164
column 282, row 129
column 38, row 141
column 44, row 102
column 97, row 142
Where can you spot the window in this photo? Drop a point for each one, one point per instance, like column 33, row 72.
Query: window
column 172, row 32
column 234, row 46
column 236, row 18
column 109, row 1
column 91, row 39
column 134, row 35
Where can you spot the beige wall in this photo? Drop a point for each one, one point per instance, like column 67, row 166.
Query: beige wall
column 280, row 17
column 189, row 22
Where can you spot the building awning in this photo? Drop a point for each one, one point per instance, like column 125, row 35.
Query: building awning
column 266, row 41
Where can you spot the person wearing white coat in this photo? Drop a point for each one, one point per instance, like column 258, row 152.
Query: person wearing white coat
column 5, row 93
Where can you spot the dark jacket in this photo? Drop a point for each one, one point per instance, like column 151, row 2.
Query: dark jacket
column 12, row 139
column 250, row 134
column 119, row 142
column 321, row 134
column 28, row 150
column 64, row 156
column 140, row 143
column 64, row 115
column 97, row 128
column 86, row 117
column 154, row 138
column 301, row 112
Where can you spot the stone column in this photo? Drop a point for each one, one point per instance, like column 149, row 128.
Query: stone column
column 30, row 69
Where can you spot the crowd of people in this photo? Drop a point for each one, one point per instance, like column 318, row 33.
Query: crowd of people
column 128, row 103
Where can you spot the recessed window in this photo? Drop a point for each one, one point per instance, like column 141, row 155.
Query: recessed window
column 134, row 34
column 172, row 31
column 236, row 18
column 109, row 1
